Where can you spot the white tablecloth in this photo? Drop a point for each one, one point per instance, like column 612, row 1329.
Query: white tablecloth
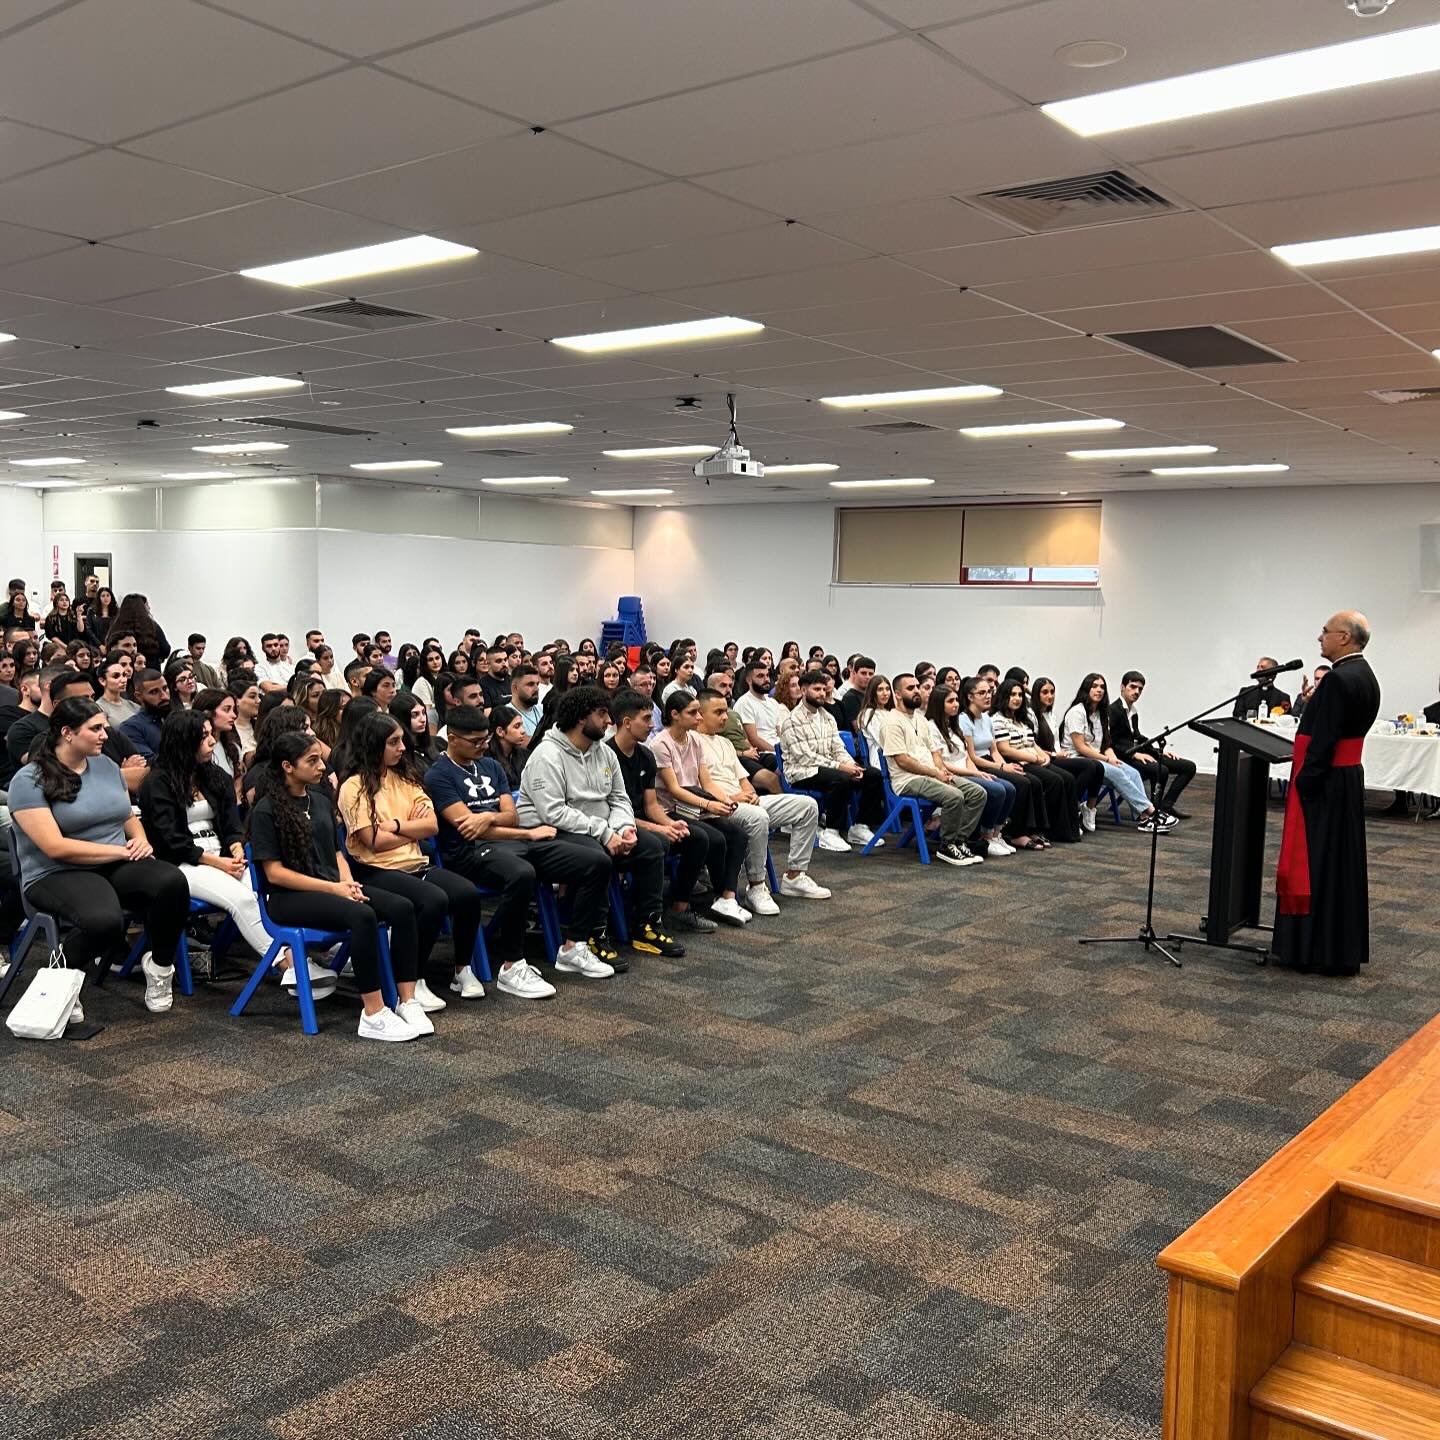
column 1403, row 762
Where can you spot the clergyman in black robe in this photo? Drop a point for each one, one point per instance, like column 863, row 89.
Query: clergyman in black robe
column 1322, row 922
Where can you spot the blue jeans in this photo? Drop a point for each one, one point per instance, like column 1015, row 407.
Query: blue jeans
column 999, row 800
column 1126, row 779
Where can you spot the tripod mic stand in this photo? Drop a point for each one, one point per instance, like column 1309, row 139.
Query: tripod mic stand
column 1147, row 935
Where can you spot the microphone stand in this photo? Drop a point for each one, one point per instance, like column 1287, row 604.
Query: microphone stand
column 1147, row 935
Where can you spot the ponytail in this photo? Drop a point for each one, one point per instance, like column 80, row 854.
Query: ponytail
column 59, row 784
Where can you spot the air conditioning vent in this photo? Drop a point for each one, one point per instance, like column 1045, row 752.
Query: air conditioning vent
column 501, row 454
column 896, row 427
column 362, row 315
column 270, row 422
column 1200, row 347
column 1098, row 199
column 1406, row 397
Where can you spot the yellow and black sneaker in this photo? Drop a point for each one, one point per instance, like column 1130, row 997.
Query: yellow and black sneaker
column 650, row 939
column 604, row 947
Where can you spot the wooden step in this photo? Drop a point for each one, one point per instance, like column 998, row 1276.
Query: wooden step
column 1313, row 1393
column 1390, row 1225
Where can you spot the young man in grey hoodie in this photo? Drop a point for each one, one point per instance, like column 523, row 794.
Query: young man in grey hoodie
column 573, row 782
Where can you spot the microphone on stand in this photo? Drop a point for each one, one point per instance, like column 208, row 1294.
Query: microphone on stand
column 1269, row 672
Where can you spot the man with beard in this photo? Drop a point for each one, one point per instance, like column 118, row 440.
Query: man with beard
column 574, row 783
column 495, row 678
column 143, row 730
column 758, row 710
column 915, row 770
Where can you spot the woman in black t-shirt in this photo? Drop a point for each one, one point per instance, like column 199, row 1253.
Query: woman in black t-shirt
column 308, row 883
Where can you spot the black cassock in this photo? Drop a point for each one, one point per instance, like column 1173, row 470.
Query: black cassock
column 1322, row 921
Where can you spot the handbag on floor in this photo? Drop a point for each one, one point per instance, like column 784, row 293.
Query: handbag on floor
column 44, row 1009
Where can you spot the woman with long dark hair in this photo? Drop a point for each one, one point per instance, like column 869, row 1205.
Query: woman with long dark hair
column 181, row 679
column 1086, row 732
column 420, row 680
column 877, row 700
column 246, row 694
column 1028, row 814
column 113, row 699
column 682, row 677
column 99, row 616
column 330, row 674
column 387, row 814
column 80, row 655
column 60, row 623
column 328, row 712
column 1015, row 742
column 308, row 883
column 17, row 614
column 943, row 711
column 8, row 673
column 134, row 618
column 414, row 720
column 509, row 742
column 218, row 707
column 26, row 655
column 457, row 664
column 236, row 655
column 1088, row 775
column 85, row 857
column 278, row 720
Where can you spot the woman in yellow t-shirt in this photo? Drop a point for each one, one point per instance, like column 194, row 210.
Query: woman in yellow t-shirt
column 387, row 814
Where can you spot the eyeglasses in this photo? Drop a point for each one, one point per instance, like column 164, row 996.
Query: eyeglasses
column 470, row 739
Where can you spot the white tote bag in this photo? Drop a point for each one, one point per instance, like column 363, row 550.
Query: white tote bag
column 44, row 1009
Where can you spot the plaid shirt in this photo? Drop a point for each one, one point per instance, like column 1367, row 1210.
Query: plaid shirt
column 810, row 739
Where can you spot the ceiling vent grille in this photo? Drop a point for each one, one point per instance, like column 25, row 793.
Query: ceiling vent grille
column 1098, row 199
column 1406, row 397
column 362, row 315
column 270, row 422
column 896, row 427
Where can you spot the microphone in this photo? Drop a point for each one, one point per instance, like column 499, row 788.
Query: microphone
column 1271, row 671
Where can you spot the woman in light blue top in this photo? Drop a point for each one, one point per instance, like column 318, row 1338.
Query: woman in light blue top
column 1028, row 815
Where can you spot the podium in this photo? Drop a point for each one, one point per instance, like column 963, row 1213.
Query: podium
column 1237, row 845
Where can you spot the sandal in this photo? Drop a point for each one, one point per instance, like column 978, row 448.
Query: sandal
column 1027, row 844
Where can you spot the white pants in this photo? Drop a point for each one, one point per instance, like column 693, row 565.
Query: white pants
column 234, row 897
column 799, row 812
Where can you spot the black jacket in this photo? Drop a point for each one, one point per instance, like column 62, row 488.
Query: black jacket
column 162, row 811
column 1125, row 737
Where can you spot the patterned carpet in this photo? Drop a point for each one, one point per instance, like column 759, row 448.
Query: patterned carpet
column 893, row 1166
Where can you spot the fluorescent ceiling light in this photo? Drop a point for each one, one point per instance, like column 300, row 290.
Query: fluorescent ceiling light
column 48, row 484
column 5, row 337
column 1041, row 427
column 660, row 452
column 1360, row 247
column 1138, row 452
column 198, row 475
column 250, row 385
column 631, row 494
column 366, row 260
column 648, row 336
column 526, row 480
column 526, row 427
column 879, row 484
column 12, row 414
column 398, row 465
column 1254, row 82
column 887, row 398
column 811, row 469
column 1219, row 469
column 50, row 460
column 241, row 447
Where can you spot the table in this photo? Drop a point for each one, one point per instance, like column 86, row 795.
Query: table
column 1403, row 762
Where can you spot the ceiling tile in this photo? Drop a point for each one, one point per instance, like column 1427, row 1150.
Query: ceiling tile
column 885, row 89
column 486, row 182
column 917, row 13
column 226, row 297
column 33, row 319
column 910, row 224
column 824, row 285
column 862, row 313
column 592, row 62
column 19, row 243
column 22, row 147
column 1318, row 217
column 490, row 295
column 306, row 136
column 192, row 60
column 94, row 273
column 106, row 193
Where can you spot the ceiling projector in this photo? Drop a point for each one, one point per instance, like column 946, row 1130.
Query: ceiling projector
column 731, row 459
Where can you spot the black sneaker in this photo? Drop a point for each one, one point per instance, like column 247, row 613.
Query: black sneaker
column 650, row 939
column 952, row 854
column 603, row 948
column 689, row 920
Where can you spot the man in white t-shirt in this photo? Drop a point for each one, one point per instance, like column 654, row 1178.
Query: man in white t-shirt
column 758, row 710
column 275, row 671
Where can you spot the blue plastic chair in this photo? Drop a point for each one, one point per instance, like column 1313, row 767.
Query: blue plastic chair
column 184, row 976
column 1108, row 792
column 818, row 796
column 480, row 959
column 299, row 942
column 37, row 922
column 905, row 815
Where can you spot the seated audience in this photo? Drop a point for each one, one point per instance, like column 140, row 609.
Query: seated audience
column 495, row 677
column 875, row 703
column 1307, row 689
column 237, row 656
column 246, row 694
column 509, row 743
column 308, row 882
column 816, row 759
column 1015, row 741
column 218, row 707
column 525, row 695
column 276, row 670
column 916, row 770
column 761, row 768
column 379, row 685
column 180, row 679
column 682, row 677
column 142, row 729
column 1168, row 773
column 1260, row 694
column 113, row 699
column 858, row 675
column 9, row 694
column 420, row 673
column 1028, row 813
column 356, row 674
column 759, row 814
column 1088, row 775
column 84, row 855
column 60, row 622
column 758, row 711
column 642, row 683
column 944, row 711
column 1086, row 732
column 414, row 721
column 330, row 674
column 572, row 781
column 17, row 614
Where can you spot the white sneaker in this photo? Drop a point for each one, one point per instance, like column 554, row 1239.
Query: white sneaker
column 862, row 835
column 832, row 840
column 802, row 887
column 385, row 1024
column 466, row 985
column 412, row 1012
column 524, row 981
column 579, row 959
column 77, row 1012
column 731, row 910
column 997, row 850
column 1087, row 818
column 159, row 985
column 761, row 901
column 322, row 981
column 429, row 1001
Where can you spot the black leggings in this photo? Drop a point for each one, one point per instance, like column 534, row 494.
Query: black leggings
column 1061, row 801
column 361, row 920
column 94, row 901
column 715, row 845
column 1089, row 774
column 433, row 894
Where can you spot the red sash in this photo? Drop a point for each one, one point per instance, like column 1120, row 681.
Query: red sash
column 1292, row 875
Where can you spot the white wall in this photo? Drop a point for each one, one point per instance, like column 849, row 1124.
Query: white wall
column 1194, row 586
column 22, row 541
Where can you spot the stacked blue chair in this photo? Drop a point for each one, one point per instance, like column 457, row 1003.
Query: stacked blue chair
column 628, row 627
